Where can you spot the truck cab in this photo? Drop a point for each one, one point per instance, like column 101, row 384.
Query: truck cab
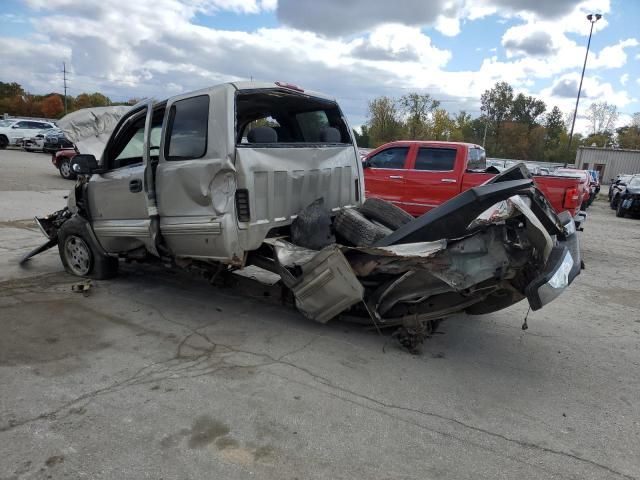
column 210, row 174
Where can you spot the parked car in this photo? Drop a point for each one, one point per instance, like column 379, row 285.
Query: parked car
column 61, row 159
column 15, row 132
column 178, row 182
column 419, row 176
column 629, row 199
column 56, row 140
column 595, row 184
column 618, row 185
column 34, row 143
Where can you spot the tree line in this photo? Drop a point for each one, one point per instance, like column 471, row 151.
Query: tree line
column 17, row 102
column 510, row 125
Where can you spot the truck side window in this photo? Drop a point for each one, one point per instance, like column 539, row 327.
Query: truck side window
column 187, row 129
column 436, row 159
column 477, row 159
column 393, row 157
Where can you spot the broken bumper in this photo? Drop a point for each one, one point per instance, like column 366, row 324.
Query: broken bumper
column 563, row 266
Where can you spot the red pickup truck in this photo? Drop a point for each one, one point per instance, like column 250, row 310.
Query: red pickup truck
column 418, row 176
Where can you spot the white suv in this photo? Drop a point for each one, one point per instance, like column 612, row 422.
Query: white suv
column 15, row 132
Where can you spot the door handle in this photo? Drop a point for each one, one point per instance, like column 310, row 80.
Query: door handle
column 135, row 186
column 396, row 177
column 449, row 180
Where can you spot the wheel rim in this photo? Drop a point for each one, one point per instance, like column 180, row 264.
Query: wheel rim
column 77, row 255
column 65, row 168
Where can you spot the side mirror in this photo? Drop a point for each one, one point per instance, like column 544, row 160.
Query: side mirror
column 366, row 164
column 84, row 164
column 14, row 126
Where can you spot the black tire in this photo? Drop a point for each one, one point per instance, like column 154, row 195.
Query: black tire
column 352, row 226
column 619, row 211
column 385, row 213
column 4, row 142
column 80, row 254
column 612, row 203
column 65, row 169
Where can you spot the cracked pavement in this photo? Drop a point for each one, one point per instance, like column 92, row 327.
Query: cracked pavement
column 157, row 374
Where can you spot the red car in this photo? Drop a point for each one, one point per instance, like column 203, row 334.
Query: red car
column 418, row 176
column 62, row 161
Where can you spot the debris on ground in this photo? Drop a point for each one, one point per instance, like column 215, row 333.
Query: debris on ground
column 82, row 287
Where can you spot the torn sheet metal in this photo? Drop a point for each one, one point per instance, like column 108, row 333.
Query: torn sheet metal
column 327, row 286
column 90, row 128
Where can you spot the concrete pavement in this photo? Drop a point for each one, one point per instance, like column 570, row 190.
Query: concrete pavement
column 156, row 374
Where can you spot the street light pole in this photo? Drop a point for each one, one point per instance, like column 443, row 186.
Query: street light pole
column 593, row 19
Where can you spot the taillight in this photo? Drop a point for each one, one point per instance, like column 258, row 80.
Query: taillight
column 242, row 205
column 571, row 198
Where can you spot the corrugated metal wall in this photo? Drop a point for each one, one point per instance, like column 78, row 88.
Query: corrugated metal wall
column 610, row 162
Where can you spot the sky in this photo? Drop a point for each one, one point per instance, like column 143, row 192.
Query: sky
column 354, row 50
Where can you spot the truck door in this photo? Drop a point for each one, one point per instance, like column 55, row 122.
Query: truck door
column 117, row 199
column 195, row 179
column 432, row 178
column 385, row 172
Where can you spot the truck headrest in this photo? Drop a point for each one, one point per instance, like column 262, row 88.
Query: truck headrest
column 330, row 135
column 262, row 135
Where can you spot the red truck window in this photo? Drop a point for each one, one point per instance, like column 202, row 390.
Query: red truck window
column 390, row 158
column 436, row 159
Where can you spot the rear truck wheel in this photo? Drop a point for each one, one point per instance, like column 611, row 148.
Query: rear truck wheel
column 385, row 213
column 357, row 230
column 4, row 142
column 619, row 210
column 80, row 254
column 65, row 169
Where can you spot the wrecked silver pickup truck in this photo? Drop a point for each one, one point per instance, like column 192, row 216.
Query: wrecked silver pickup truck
column 269, row 175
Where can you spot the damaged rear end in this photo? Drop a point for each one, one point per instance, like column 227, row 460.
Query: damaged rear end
column 482, row 251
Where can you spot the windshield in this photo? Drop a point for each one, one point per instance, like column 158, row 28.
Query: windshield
column 277, row 116
column 634, row 182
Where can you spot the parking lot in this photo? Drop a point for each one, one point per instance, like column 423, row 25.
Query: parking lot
column 157, row 374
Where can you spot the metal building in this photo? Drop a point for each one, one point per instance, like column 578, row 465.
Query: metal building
column 609, row 162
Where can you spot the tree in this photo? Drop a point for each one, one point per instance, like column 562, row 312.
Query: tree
column 554, row 125
column 496, row 104
column 52, row 106
column 417, row 110
column 603, row 117
column 85, row 100
column 629, row 135
column 8, row 90
column 527, row 110
column 442, row 126
column 362, row 138
column 384, row 124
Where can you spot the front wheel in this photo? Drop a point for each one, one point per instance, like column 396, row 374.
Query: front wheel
column 80, row 254
column 65, row 169
column 619, row 209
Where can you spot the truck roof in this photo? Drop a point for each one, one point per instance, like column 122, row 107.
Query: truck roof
column 435, row 142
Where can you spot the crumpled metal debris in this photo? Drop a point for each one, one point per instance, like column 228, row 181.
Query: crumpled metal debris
column 82, row 287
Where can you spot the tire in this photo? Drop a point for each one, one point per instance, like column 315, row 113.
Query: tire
column 385, row 213
column 619, row 211
column 80, row 254
column 4, row 142
column 352, row 226
column 614, row 201
column 65, row 170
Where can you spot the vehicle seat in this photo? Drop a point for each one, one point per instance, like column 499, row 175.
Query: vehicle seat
column 262, row 135
column 330, row 135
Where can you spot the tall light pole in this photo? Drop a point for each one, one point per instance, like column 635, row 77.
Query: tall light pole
column 593, row 18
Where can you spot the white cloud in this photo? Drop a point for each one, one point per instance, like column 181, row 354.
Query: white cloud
column 151, row 48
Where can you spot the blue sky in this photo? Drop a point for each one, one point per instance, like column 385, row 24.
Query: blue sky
column 355, row 50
